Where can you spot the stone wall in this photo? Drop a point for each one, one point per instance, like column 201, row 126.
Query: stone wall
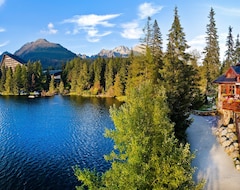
column 227, row 136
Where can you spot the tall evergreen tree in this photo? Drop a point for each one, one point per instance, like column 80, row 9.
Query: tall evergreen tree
column 229, row 53
column 9, row 81
column 237, row 51
column 156, row 48
column 211, row 62
column 109, row 75
column 3, row 78
column 178, row 77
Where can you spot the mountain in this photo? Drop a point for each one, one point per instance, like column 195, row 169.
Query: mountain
column 50, row 54
column 120, row 51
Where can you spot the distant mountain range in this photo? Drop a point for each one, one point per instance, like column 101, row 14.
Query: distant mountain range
column 54, row 55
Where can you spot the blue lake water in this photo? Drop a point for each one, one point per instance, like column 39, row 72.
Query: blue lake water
column 41, row 140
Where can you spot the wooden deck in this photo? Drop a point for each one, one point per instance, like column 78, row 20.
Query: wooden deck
column 231, row 104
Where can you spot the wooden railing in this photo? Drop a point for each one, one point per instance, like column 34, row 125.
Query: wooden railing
column 231, row 104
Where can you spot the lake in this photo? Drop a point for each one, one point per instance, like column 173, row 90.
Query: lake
column 41, row 140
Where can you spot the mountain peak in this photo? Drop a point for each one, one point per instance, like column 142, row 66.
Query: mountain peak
column 120, row 51
column 50, row 54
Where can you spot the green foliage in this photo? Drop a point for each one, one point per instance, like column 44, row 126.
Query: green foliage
column 211, row 63
column 179, row 78
column 23, row 79
column 146, row 155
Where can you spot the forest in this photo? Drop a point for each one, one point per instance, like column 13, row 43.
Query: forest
column 160, row 89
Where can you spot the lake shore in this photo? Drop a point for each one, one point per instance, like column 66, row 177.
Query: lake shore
column 212, row 163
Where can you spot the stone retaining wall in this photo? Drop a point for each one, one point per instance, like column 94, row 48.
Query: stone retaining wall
column 227, row 137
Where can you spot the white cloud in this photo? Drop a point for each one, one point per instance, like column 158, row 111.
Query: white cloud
column 199, row 43
column 131, row 30
column 2, row 2
column 228, row 11
column 2, row 30
column 148, row 9
column 50, row 30
column 4, row 44
column 92, row 20
column 93, row 35
column 90, row 23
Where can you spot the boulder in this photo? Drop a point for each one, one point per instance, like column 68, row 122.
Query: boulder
column 226, row 143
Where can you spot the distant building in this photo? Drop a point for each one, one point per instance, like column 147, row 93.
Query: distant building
column 11, row 61
column 56, row 74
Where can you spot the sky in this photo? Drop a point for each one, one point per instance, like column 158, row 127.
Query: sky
column 87, row 26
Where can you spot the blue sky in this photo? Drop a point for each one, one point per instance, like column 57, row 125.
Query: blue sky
column 87, row 26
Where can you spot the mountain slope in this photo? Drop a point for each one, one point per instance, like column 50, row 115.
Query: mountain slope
column 50, row 54
column 120, row 51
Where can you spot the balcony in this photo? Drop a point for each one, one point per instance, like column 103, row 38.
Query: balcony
column 231, row 104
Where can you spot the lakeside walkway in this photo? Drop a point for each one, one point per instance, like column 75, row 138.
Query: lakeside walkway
column 213, row 164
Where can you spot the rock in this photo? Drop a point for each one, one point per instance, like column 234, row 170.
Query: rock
column 231, row 148
column 231, row 126
column 224, row 132
column 226, row 143
column 235, row 154
column 223, row 139
column 235, row 144
column 238, row 167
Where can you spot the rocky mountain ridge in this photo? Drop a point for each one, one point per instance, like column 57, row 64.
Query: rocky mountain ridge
column 54, row 55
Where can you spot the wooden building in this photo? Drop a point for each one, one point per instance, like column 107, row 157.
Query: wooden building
column 229, row 89
column 11, row 61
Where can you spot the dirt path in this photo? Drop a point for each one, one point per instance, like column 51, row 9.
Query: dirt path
column 212, row 163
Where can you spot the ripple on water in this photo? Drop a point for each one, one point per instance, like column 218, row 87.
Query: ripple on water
column 41, row 140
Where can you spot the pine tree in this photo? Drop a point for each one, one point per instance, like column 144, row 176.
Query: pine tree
column 211, row 63
column 9, row 82
column 237, row 51
column 118, row 86
column 229, row 53
column 146, row 155
column 147, row 30
column 109, row 74
column 17, row 79
column 3, row 78
column 156, row 48
column 24, row 79
column 178, row 77
column 51, row 90
column 61, row 87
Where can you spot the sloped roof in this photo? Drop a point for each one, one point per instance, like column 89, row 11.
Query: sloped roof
column 236, row 68
column 224, row 79
column 13, row 57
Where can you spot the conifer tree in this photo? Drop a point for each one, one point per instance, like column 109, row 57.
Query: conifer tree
column 51, row 90
column 156, row 48
column 178, row 77
column 237, row 51
column 9, row 82
column 229, row 53
column 3, row 78
column 61, row 87
column 118, row 86
column 146, row 155
column 211, row 63
column 17, row 79
column 24, row 79
column 109, row 74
